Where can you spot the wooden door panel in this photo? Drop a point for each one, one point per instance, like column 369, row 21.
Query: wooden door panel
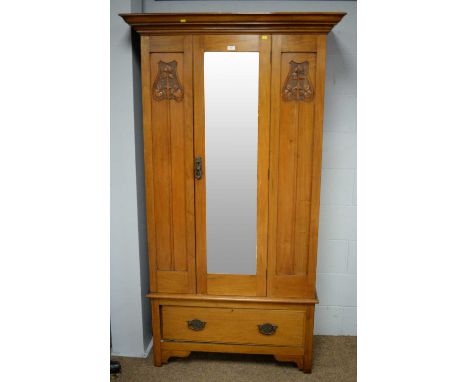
column 167, row 93
column 294, row 174
column 295, row 162
column 227, row 284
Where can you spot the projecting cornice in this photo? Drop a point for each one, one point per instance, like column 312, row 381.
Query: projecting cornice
column 213, row 23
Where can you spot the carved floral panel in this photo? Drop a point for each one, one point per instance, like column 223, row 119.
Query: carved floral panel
column 167, row 84
column 297, row 86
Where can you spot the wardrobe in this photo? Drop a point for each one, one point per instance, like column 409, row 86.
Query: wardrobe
column 232, row 126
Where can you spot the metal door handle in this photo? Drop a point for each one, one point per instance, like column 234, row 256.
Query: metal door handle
column 198, row 168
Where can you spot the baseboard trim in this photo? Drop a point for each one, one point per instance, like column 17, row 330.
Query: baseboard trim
column 144, row 354
column 148, row 348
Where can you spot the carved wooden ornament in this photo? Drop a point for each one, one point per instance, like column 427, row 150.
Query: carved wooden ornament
column 297, row 86
column 167, row 85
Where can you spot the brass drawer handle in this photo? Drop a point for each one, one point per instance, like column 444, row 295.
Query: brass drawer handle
column 196, row 325
column 267, row 329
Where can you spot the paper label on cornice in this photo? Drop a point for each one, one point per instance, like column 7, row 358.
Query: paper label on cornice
column 231, row 47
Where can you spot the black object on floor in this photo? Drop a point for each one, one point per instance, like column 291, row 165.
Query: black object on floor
column 115, row 367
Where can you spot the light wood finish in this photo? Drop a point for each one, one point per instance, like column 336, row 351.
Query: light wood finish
column 295, row 166
column 199, row 148
column 235, row 326
column 263, row 165
column 317, row 154
column 231, row 305
column 234, row 299
column 166, row 354
column 228, row 348
column 309, row 332
column 299, row 44
column 148, row 159
column 219, row 43
column 172, row 282
column 288, row 182
column 168, row 145
column 166, row 44
column 156, row 323
column 298, row 360
column 228, row 285
column 233, row 284
column 238, row 23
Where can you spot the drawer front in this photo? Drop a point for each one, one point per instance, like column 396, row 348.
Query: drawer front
column 237, row 326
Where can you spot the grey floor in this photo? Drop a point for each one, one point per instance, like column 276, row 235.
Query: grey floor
column 334, row 361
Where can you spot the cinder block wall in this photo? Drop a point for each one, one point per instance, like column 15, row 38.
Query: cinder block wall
column 336, row 268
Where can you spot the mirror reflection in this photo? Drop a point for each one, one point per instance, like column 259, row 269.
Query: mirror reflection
column 231, row 128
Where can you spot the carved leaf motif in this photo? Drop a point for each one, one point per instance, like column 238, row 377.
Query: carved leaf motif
column 167, row 85
column 297, row 86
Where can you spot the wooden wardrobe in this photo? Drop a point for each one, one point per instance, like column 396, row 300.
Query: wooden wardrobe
column 232, row 118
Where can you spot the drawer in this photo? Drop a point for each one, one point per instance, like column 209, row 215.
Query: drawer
column 236, row 326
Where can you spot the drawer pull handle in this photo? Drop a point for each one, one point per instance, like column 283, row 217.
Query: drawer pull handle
column 267, row 329
column 196, row 325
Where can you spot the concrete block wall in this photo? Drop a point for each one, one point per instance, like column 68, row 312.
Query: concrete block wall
column 129, row 308
column 336, row 265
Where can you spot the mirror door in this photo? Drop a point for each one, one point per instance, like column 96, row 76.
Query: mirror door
column 231, row 102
